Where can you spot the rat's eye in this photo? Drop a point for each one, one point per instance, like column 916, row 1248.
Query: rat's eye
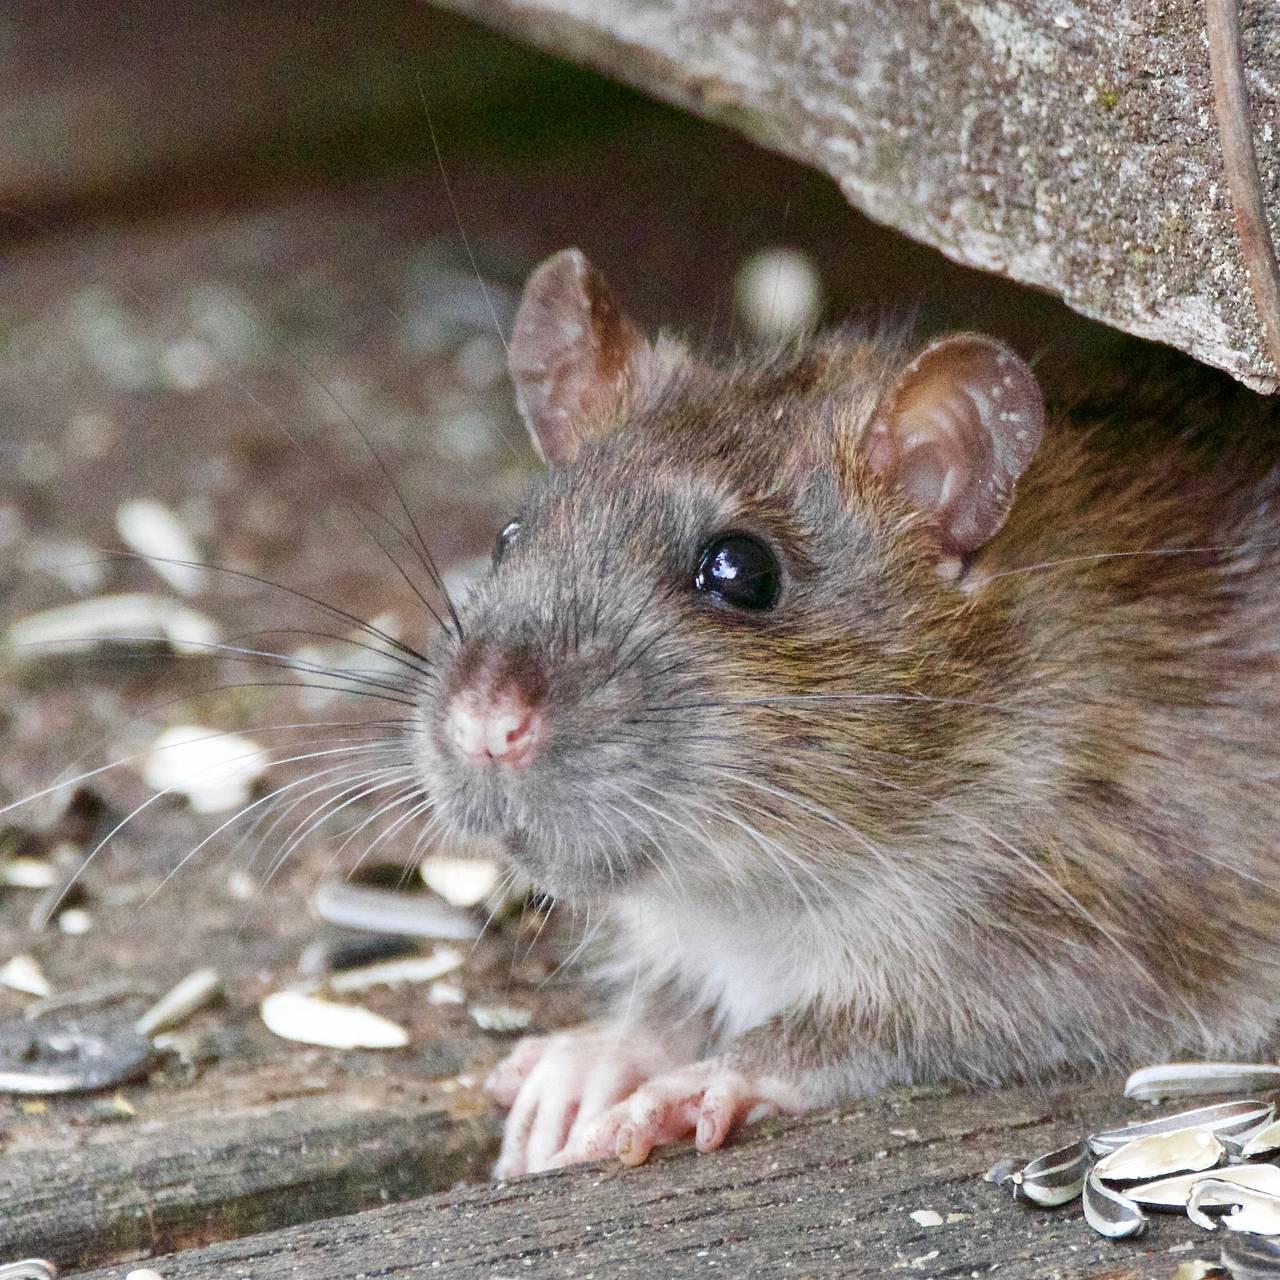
column 740, row 570
column 508, row 535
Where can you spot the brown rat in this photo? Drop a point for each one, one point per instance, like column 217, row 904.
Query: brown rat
column 892, row 734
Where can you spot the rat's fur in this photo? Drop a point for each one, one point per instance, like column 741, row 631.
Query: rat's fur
column 908, row 825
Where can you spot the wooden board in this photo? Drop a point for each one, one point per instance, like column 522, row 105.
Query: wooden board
column 831, row 1195
column 213, row 1176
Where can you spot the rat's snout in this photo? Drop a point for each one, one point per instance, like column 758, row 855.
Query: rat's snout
column 495, row 724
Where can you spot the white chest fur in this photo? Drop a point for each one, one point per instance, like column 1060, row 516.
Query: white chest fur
column 743, row 965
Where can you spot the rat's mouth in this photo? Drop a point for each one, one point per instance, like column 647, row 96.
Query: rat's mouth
column 581, row 865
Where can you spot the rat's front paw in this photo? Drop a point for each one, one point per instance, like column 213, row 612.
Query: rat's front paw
column 558, row 1086
column 706, row 1099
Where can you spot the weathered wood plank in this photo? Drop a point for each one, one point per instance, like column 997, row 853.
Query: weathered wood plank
column 215, row 1177
column 830, row 1195
column 1069, row 146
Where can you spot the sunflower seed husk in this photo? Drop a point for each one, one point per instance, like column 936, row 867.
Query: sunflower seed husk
column 357, row 906
column 446, row 993
column 67, row 1059
column 174, row 1007
column 1249, row 1257
column 1186, row 1079
column 337, row 953
column 1159, row 1154
column 22, row 973
column 27, row 873
column 1001, row 1171
column 1108, row 1212
column 461, row 882
column 215, row 771
column 502, row 1018
column 294, row 1015
column 155, row 533
column 1055, row 1178
column 1262, row 1141
column 1172, row 1193
column 394, row 973
column 1257, row 1212
column 28, row 1269
column 130, row 619
column 1223, row 1119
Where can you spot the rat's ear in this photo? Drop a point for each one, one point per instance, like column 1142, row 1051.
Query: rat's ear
column 955, row 432
column 574, row 355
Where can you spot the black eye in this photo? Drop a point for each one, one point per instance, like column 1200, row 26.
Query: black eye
column 508, row 535
column 740, row 570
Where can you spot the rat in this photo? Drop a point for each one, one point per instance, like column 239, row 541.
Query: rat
column 888, row 730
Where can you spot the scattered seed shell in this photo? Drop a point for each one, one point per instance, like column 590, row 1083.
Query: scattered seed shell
column 1159, row 1154
column 27, row 873
column 22, row 973
column 1262, row 1141
column 1250, row 1210
column 1248, row 1257
column 215, row 771
column 927, row 1218
column 1108, row 1212
column 334, row 954
column 394, row 973
column 1053, row 1179
column 144, row 1273
column 1172, row 1193
column 195, row 991
column 293, row 1015
column 155, row 532
column 28, row 1269
column 75, row 922
column 446, row 993
column 1254, row 1211
column 1224, row 1119
column 35, row 1059
column 134, row 618
column 1186, row 1079
column 461, row 882
column 499, row 1017
column 1001, row 1171
column 357, row 906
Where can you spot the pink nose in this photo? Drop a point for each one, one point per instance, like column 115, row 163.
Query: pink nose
column 502, row 727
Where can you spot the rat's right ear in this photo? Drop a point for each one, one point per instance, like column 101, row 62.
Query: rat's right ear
column 574, row 356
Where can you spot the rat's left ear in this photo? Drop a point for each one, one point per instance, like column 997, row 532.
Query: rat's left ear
column 574, row 356
column 954, row 434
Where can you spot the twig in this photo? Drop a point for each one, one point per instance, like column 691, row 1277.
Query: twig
column 1231, row 102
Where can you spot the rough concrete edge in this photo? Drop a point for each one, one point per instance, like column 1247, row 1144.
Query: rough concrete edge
column 648, row 70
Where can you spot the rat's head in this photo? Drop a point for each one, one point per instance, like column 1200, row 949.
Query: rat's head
column 709, row 626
